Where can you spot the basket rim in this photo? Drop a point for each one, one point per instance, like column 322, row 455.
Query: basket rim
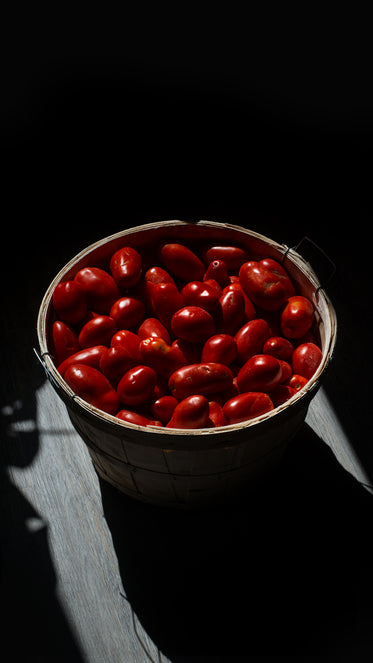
column 87, row 409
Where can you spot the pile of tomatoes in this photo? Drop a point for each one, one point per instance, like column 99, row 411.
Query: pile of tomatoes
column 184, row 338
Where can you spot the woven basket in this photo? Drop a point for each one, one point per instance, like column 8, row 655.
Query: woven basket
column 188, row 468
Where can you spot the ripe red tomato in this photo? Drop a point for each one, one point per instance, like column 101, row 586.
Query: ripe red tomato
column 136, row 385
column 92, row 386
column 97, row 331
column 230, row 312
column 192, row 324
column 296, row 382
column 115, row 361
column 286, row 370
column 259, row 373
column 220, row 348
column 306, row 359
column 250, row 312
column 181, row 262
column 199, row 293
column 64, row 341
column 126, row 267
column 153, row 327
column 100, row 288
column 250, row 339
column 281, row 394
column 266, row 283
column 162, row 408
column 247, row 406
column 127, row 312
column 161, row 356
column 137, row 419
column 70, row 302
column 165, row 300
column 216, row 415
column 218, row 271
column 233, row 256
column 157, row 274
column 297, row 317
column 203, row 379
column 191, row 412
column 278, row 347
column 89, row 357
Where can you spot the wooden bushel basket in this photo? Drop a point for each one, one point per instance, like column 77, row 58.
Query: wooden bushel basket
column 186, row 468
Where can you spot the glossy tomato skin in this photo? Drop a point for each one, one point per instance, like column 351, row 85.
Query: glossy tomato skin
column 296, row 382
column 70, row 302
column 92, row 386
column 153, row 327
column 250, row 338
column 232, row 256
column 216, row 415
column 266, row 283
column 157, row 274
column 281, row 394
column 115, row 361
column 202, row 379
column 181, row 262
column 126, row 267
column 136, row 385
column 97, row 331
column 250, row 312
column 286, row 370
column 89, row 357
column 247, row 406
column 135, row 418
column 191, row 412
column 200, row 293
column 220, row 348
column 64, row 341
column 127, row 312
column 163, row 407
column 297, row 317
column 218, row 271
column 100, row 288
column 306, row 359
column 278, row 347
column 193, row 324
column 162, row 357
column 166, row 300
column 259, row 373
column 230, row 312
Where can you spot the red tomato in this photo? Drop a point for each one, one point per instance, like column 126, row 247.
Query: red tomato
column 163, row 408
column 64, row 342
column 181, row 262
column 158, row 275
column 137, row 419
column 126, row 267
column 250, row 338
column 89, row 357
column 190, row 352
column 191, row 412
column 128, row 340
column 259, row 373
column 166, row 300
column 281, row 394
column 193, row 324
column 250, row 312
column 199, row 293
column 70, row 302
column 220, row 348
column 230, row 312
column 153, row 327
column 247, row 406
column 266, row 283
column 278, row 347
column 115, row 361
column 218, row 271
column 216, row 415
column 162, row 357
column 296, row 382
column 92, row 386
column 203, row 379
column 306, row 359
column 286, row 370
column 297, row 317
column 100, row 287
column 97, row 331
column 233, row 256
column 136, row 385
column 127, row 312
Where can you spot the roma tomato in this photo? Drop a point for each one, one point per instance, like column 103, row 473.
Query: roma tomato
column 193, row 324
column 92, row 386
column 218, row 271
column 190, row 352
column 216, row 415
column 162, row 408
column 191, row 412
column 297, row 317
column 220, row 348
column 203, row 379
column 89, row 357
column 266, row 283
column 233, row 256
column 250, row 312
column 259, row 373
column 129, row 341
column 166, row 300
column 153, row 327
column 278, row 347
column 70, row 302
column 136, row 385
column 157, row 274
column 64, row 341
column 247, row 406
column 115, row 361
column 199, row 293
column 181, row 262
column 281, row 394
column 161, row 356
column 250, row 339
column 135, row 418
column 97, row 331
column 296, row 382
column 306, row 359
column 126, row 267
column 100, row 288
column 286, row 370
column 230, row 312
column 127, row 312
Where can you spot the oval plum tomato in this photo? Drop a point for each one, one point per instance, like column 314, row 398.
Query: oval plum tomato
column 199, row 293
column 233, row 256
column 115, row 361
column 153, row 327
column 92, row 386
column 203, row 379
column 286, row 370
column 135, row 418
column 191, row 412
column 162, row 357
column 162, row 408
column 166, row 300
column 157, row 274
column 190, row 352
column 250, row 312
column 259, row 373
column 220, row 348
column 89, row 357
column 266, row 283
column 70, row 302
column 297, row 317
column 281, row 394
column 97, row 331
column 250, row 339
column 64, row 342
column 136, row 385
column 193, row 324
column 278, row 347
column 218, row 271
column 306, row 359
column 247, row 406
column 127, row 312
column 216, row 415
column 128, row 340
column 181, row 262
column 126, row 267
column 297, row 382
column 100, row 287
column 230, row 312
